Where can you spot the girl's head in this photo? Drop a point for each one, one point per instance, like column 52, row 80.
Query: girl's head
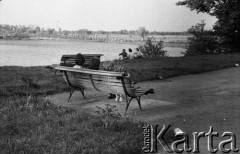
column 79, row 59
column 94, row 63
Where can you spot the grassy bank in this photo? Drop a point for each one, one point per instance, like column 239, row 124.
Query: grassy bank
column 34, row 125
column 22, row 81
column 25, row 80
column 157, row 68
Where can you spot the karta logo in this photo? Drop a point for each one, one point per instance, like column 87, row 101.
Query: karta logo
column 153, row 138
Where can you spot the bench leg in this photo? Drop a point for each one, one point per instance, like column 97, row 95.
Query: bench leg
column 82, row 91
column 71, row 92
column 127, row 104
column 139, row 102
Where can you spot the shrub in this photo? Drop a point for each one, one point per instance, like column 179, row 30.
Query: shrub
column 108, row 66
column 151, row 48
column 202, row 42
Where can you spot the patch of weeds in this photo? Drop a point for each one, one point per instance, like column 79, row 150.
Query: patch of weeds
column 108, row 111
column 29, row 82
column 109, row 115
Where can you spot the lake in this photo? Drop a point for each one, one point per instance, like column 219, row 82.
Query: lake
column 47, row 52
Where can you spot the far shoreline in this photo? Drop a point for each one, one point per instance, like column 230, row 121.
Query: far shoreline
column 176, row 44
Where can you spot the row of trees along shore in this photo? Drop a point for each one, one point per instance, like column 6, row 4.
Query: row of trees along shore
column 25, row 32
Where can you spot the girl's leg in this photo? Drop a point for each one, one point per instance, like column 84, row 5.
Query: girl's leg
column 117, row 97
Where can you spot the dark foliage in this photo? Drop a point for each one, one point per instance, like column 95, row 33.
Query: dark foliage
column 202, row 42
column 227, row 12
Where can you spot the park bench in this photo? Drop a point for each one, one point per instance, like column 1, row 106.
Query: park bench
column 103, row 81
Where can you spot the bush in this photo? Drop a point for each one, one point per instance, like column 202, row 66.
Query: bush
column 202, row 42
column 205, row 44
column 151, row 48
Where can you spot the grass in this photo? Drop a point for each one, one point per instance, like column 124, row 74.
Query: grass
column 21, row 81
column 34, row 125
column 157, row 68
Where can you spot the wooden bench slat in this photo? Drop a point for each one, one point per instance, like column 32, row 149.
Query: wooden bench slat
column 70, row 55
column 88, row 71
column 94, row 77
column 98, row 77
column 73, row 60
column 98, row 82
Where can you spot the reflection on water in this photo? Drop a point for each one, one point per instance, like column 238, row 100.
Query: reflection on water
column 47, row 52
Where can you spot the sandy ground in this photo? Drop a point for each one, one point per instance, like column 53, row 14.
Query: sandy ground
column 192, row 103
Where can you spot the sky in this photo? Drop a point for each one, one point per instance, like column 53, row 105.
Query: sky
column 109, row 15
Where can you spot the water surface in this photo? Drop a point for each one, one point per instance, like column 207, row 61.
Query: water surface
column 47, row 52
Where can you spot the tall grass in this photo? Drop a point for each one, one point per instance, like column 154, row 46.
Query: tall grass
column 24, row 80
column 34, row 125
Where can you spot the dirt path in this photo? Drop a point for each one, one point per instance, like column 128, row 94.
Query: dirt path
column 192, row 103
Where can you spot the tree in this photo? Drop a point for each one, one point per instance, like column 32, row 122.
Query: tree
column 124, row 31
column 142, row 32
column 82, row 33
column 50, row 31
column 228, row 14
column 37, row 29
column 65, row 33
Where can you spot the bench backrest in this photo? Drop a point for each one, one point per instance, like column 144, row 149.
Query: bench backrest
column 104, row 81
column 69, row 60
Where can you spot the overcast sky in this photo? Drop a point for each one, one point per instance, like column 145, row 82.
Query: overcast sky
column 154, row 15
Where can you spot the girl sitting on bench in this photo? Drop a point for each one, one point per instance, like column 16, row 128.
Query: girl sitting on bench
column 79, row 61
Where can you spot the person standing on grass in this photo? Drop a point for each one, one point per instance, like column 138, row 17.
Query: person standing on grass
column 79, row 61
column 130, row 54
column 123, row 55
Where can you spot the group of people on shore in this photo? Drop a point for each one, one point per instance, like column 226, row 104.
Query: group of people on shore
column 130, row 55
